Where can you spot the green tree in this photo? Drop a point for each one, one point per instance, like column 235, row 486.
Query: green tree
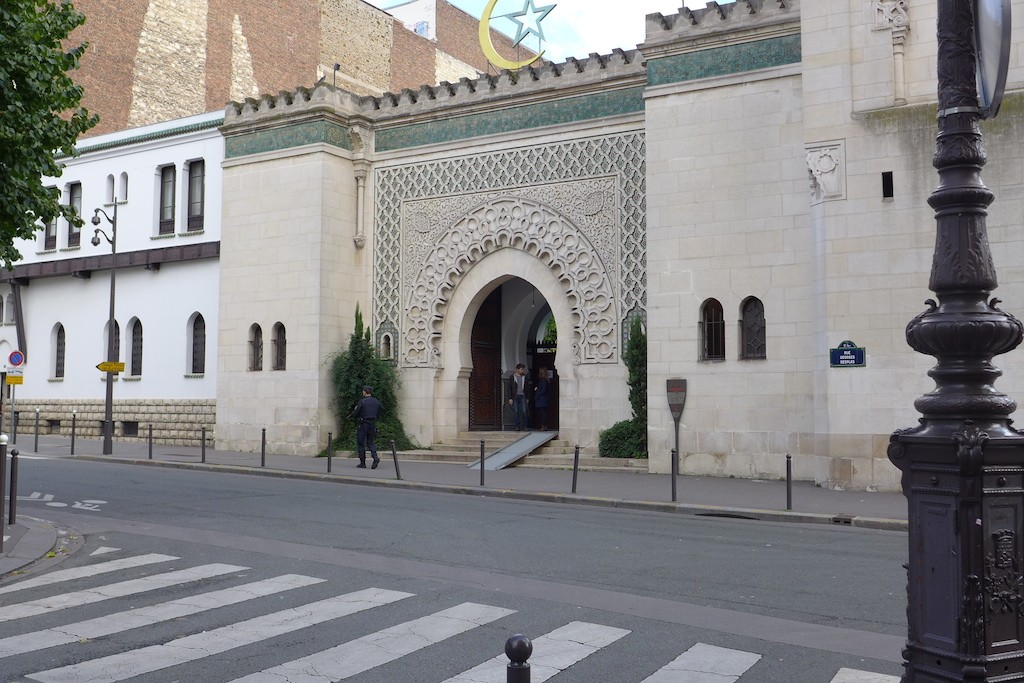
column 40, row 114
column 353, row 368
column 628, row 438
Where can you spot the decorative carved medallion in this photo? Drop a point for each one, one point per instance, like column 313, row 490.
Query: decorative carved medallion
column 891, row 14
column 826, row 165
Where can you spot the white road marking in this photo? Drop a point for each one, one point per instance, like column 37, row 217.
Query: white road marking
column 89, row 570
column 552, row 653
column 114, row 590
column 126, row 665
column 705, row 664
column 363, row 654
column 103, row 550
column 854, row 676
column 153, row 614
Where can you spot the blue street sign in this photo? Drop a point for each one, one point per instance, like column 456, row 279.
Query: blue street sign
column 848, row 355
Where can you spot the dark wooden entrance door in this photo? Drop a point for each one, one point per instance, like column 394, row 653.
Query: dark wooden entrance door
column 485, row 380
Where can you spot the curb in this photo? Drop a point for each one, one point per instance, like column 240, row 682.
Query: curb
column 37, row 539
column 881, row 523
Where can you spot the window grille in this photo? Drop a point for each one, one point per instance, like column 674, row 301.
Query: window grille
column 752, row 330
column 137, row 348
column 712, row 331
column 280, row 347
column 255, row 348
column 198, row 345
column 59, row 351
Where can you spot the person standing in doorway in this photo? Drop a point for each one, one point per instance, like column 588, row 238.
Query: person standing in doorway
column 540, row 397
column 366, row 412
column 517, row 396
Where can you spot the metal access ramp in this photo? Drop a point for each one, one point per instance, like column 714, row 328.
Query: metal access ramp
column 515, row 451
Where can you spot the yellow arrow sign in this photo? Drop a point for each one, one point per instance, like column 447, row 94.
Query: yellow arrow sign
column 110, row 366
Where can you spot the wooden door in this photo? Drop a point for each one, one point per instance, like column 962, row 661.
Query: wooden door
column 485, row 379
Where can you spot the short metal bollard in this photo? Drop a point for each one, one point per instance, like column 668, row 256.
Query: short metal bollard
column 14, row 426
column 481, row 462
column 394, row 456
column 74, row 427
column 263, row 448
column 575, row 467
column 330, row 450
column 202, row 446
column 518, row 649
column 13, row 507
column 36, row 447
column 150, row 441
column 675, row 468
column 789, row 481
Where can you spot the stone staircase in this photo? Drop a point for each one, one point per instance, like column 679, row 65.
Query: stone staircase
column 556, row 454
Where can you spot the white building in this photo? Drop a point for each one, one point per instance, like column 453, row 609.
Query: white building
column 166, row 182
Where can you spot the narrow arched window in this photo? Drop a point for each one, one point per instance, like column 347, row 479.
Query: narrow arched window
column 10, row 309
column 136, row 357
column 280, row 347
column 116, row 355
column 712, row 331
column 59, row 347
column 385, row 347
column 752, row 329
column 255, row 348
column 198, row 344
column 123, row 191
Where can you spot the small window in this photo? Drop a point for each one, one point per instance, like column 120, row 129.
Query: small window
column 59, row 348
column 130, row 428
column 110, row 189
column 10, row 309
column 123, row 194
column 75, row 200
column 712, row 332
column 385, row 347
column 50, row 231
column 752, row 329
column 887, row 186
column 280, row 347
column 117, row 341
column 136, row 357
column 167, row 184
column 196, row 192
column 197, row 339
column 255, row 348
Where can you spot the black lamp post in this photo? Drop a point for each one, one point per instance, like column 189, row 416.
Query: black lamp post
column 963, row 465
column 108, row 409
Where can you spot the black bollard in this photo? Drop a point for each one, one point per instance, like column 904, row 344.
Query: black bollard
column 74, row 427
column 14, row 426
column 518, row 649
column 575, row 467
column 36, row 447
column 13, row 507
column 675, row 468
column 202, row 446
column 263, row 448
column 481, row 462
column 789, row 481
column 394, row 456
column 330, row 450
column 150, row 440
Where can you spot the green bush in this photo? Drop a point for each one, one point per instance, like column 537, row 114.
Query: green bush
column 350, row 370
column 625, row 439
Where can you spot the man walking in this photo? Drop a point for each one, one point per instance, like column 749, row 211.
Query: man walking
column 366, row 412
column 517, row 396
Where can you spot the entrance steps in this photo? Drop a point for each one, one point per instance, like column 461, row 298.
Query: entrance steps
column 557, row 454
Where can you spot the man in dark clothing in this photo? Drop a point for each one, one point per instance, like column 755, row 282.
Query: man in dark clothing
column 366, row 412
column 517, row 396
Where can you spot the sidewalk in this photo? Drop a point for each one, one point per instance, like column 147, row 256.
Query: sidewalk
column 713, row 496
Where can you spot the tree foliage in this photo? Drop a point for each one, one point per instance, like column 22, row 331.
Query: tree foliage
column 40, row 114
column 628, row 438
column 353, row 368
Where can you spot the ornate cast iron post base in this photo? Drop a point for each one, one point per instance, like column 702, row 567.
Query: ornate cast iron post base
column 963, row 466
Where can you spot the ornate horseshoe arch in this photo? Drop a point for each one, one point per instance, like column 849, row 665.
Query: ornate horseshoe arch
column 513, row 223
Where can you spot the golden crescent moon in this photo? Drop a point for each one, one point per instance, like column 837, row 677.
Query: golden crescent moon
column 488, row 47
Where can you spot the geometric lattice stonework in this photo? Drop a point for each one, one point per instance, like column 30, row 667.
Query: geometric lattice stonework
column 516, row 223
column 503, row 173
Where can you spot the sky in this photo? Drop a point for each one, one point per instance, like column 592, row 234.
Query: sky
column 575, row 28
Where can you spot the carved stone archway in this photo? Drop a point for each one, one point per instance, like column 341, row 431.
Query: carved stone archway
column 524, row 225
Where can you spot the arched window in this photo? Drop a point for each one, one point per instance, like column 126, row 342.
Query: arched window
column 385, row 347
column 124, row 188
column 280, row 347
column 752, row 329
column 712, row 331
column 136, row 353
column 117, row 341
column 59, row 347
column 10, row 309
column 255, row 348
column 110, row 189
column 197, row 344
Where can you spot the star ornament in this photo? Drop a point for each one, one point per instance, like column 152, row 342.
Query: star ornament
column 528, row 19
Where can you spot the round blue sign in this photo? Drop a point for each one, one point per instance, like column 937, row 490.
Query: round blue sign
column 16, row 358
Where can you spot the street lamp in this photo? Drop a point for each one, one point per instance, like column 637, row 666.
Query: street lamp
column 963, row 465
column 108, row 409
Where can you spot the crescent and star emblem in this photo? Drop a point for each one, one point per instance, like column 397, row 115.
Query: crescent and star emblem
column 528, row 19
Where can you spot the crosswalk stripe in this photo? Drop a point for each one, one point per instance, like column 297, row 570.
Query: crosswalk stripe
column 552, row 653
column 854, row 676
column 88, row 570
column 363, row 654
column 125, row 665
column 114, row 590
column 147, row 616
column 705, row 664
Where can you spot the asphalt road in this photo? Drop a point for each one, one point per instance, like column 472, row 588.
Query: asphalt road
column 808, row 602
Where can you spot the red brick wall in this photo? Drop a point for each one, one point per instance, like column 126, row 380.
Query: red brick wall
column 412, row 60
column 458, row 35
